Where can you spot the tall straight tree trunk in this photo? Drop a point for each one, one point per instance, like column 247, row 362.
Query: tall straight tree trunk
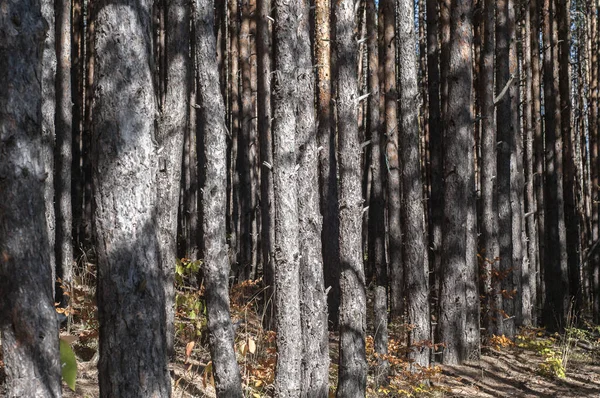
column 235, row 113
column 517, row 182
column 287, row 248
column 246, row 148
column 327, row 159
column 214, row 203
column 531, row 122
column 77, row 81
column 376, row 254
column 265, row 137
column 313, row 300
column 571, row 217
column 170, row 137
column 48, row 78
column 459, row 304
column 63, row 151
column 594, row 159
column 133, row 355
column 27, row 315
column 489, row 198
column 506, row 129
column 538, row 145
column 353, row 365
column 555, row 272
column 435, row 212
column 396, row 269
column 412, row 210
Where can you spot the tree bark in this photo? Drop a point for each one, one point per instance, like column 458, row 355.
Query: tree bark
column 352, row 365
column 489, row 222
column 170, row 138
column 27, row 315
column 396, row 268
column 376, row 245
column 133, row 356
column 556, row 272
column 411, row 210
column 265, row 136
column 327, row 159
column 214, row 202
column 459, row 304
column 63, row 151
column 313, row 300
column 287, row 250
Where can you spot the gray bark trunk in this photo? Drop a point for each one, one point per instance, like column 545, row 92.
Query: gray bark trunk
column 313, row 301
column 170, row 138
column 63, row 149
column 216, row 261
column 287, row 261
column 489, row 167
column 327, row 159
column 352, row 365
column 412, row 209
column 48, row 126
column 133, row 356
column 27, row 315
column 459, row 320
column 376, row 244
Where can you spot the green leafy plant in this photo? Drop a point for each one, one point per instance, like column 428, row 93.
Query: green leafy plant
column 68, row 363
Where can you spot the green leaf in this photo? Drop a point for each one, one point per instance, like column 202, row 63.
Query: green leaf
column 68, row 364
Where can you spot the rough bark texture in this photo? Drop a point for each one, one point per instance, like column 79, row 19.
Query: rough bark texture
column 538, row 145
column 265, row 136
column 594, row 166
column 412, row 211
column 287, row 261
column 376, row 247
column 522, row 297
column 352, row 365
column 327, row 159
column 555, row 267
column 396, row 269
column 571, row 217
column 505, row 130
column 170, row 138
column 62, row 151
column 489, row 199
column 214, row 203
column 530, row 119
column 458, row 324
column 131, row 306
column 48, row 79
column 313, row 301
column 27, row 316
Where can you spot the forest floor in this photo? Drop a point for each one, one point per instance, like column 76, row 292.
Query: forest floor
column 531, row 366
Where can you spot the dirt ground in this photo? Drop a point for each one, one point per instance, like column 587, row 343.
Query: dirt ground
column 508, row 372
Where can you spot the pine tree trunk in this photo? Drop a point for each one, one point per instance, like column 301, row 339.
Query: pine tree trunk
column 263, row 46
column 459, row 304
column 571, row 217
column 327, row 159
column 396, row 267
column 376, row 246
column 63, row 152
column 555, row 272
column 352, row 366
column 28, row 319
column 287, row 250
column 133, row 355
column 489, row 198
column 313, row 300
column 170, row 137
column 411, row 209
column 435, row 143
column 214, row 203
